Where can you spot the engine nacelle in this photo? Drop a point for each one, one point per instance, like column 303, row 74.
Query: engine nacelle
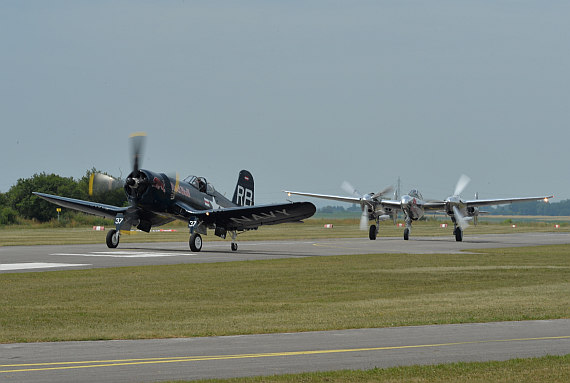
column 145, row 187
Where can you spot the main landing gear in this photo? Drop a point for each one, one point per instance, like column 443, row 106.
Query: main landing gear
column 374, row 229
column 408, row 229
column 372, row 232
column 195, row 242
column 113, row 237
column 458, row 232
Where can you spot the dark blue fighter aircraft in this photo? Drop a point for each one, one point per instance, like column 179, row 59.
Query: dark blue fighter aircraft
column 156, row 199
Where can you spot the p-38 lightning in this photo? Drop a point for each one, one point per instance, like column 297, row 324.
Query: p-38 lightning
column 461, row 211
column 156, row 199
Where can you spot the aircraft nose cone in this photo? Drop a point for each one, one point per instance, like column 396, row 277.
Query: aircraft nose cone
column 406, row 200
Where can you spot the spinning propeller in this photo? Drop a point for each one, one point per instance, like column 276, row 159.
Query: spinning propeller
column 137, row 180
column 455, row 200
column 366, row 201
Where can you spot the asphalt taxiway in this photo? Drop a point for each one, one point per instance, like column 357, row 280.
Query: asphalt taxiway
column 268, row 354
column 46, row 258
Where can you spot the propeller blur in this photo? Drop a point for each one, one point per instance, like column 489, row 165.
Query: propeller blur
column 413, row 206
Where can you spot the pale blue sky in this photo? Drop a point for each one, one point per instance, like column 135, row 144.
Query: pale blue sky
column 304, row 94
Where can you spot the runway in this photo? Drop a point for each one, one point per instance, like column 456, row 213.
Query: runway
column 268, row 354
column 46, row 258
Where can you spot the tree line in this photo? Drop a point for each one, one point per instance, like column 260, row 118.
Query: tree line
column 20, row 202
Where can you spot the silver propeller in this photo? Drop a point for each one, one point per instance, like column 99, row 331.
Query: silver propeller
column 387, row 190
column 349, row 189
column 364, row 218
column 459, row 218
column 461, row 184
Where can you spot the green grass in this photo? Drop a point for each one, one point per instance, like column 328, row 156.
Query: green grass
column 18, row 235
column 552, row 369
column 287, row 295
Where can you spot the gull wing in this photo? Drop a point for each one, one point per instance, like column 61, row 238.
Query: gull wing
column 250, row 217
column 326, row 196
column 100, row 209
column 502, row 201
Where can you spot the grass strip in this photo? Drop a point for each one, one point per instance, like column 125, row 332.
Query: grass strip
column 286, row 295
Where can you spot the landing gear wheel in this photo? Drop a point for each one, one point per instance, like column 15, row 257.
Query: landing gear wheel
column 234, row 246
column 195, row 242
column 113, row 237
column 406, row 234
column 372, row 232
column 459, row 234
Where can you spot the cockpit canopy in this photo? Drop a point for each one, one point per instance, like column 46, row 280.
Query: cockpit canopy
column 416, row 194
column 201, row 184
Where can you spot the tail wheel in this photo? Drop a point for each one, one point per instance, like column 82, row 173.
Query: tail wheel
column 234, row 246
column 406, row 234
column 372, row 232
column 113, row 237
column 195, row 242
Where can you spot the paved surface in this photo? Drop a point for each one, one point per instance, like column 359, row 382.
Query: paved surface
column 194, row 358
column 222, row 357
column 42, row 258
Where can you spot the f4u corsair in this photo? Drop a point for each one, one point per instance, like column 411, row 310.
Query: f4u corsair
column 156, row 199
column 461, row 211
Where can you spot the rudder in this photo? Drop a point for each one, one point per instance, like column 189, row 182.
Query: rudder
column 243, row 194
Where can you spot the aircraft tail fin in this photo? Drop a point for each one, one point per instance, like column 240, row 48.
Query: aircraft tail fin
column 243, row 194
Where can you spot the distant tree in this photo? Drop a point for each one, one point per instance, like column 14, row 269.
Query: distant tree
column 8, row 215
column 32, row 207
column 533, row 208
column 354, row 207
column 331, row 209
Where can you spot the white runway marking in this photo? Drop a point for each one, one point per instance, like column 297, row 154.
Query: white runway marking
column 125, row 254
column 36, row 265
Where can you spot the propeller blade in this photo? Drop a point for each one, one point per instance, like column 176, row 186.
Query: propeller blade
column 177, row 184
column 387, row 190
column 364, row 218
column 461, row 184
column 137, row 147
column 100, row 183
column 349, row 189
column 460, row 219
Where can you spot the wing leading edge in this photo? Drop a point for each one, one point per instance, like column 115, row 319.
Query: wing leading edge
column 325, row 196
column 487, row 202
column 100, row 209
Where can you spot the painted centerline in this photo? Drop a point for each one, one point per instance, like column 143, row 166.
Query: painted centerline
column 70, row 365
